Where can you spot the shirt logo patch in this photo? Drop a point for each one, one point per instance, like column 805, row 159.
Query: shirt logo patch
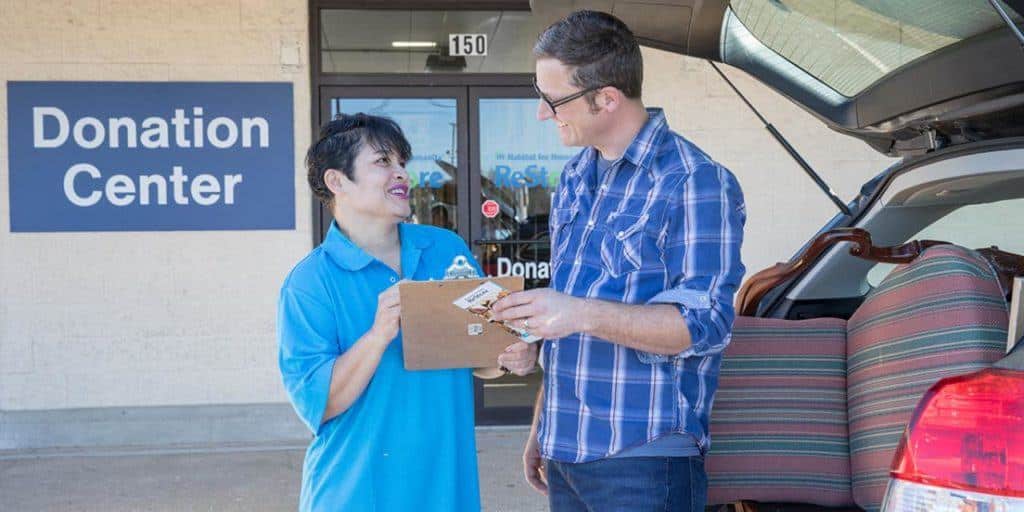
column 460, row 269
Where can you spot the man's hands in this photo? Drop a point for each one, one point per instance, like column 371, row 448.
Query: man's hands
column 542, row 312
column 389, row 309
column 533, row 465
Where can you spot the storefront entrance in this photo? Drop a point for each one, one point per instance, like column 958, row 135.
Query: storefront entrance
column 471, row 120
column 484, row 167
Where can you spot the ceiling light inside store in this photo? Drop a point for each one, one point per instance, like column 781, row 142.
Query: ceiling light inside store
column 413, row 44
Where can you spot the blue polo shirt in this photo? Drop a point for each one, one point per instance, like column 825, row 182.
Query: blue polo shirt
column 407, row 443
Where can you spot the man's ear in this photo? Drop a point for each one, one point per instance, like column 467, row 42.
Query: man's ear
column 610, row 99
column 336, row 181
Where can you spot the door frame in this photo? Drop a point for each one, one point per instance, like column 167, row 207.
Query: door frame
column 475, row 188
column 467, row 96
column 495, row 415
column 404, row 85
column 323, row 86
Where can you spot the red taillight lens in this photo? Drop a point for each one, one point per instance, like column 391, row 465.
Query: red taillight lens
column 968, row 433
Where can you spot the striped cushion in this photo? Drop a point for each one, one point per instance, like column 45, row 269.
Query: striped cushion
column 778, row 426
column 941, row 315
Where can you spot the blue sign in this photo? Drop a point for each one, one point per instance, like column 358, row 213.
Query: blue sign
column 150, row 156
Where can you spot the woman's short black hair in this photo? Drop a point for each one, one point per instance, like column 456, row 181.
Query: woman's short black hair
column 342, row 139
column 600, row 47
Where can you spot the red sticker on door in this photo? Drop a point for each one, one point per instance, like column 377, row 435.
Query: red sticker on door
column 490, row 208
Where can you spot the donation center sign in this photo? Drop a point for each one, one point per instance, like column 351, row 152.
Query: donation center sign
column 152, row 156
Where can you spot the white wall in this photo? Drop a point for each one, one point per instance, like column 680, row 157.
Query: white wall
column 121, row 319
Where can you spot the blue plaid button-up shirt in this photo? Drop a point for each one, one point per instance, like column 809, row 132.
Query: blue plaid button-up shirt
column 663, row 224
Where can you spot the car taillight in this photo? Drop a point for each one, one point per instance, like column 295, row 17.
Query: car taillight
column 964, row 447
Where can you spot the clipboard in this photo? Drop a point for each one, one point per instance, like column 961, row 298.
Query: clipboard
column 437, row 334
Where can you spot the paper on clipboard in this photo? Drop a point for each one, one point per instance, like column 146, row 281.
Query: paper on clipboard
column 479, row 301
column 436, row 333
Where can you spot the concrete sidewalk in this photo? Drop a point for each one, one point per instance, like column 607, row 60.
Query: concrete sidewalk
column 223, row 478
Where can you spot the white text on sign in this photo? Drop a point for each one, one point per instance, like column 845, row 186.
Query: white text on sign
column 528, row 270
column 80, row 181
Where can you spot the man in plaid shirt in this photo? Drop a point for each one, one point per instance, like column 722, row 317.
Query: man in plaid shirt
column 645, row 251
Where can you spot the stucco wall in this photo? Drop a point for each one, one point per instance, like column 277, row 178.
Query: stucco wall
column 147, row 318
column 182, row 318
column 784, row 206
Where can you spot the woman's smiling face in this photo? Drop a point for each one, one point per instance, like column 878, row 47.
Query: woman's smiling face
column 379, row 185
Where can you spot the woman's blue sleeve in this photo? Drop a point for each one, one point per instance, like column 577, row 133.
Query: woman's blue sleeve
column 307, row 348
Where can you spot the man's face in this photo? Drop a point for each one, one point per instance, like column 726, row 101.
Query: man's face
column 577, row 124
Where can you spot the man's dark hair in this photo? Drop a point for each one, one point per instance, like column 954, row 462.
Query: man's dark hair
column 600, row 47
column 340, row 142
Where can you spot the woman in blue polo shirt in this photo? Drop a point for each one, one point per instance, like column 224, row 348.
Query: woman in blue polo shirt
column 386, row 439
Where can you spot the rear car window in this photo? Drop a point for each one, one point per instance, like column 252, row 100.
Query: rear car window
column 974, row 226
column 851, row 44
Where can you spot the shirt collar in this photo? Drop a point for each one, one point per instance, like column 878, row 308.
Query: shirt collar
column 352, row 257
column 639, row 153
column 642, row 149
column 587, row 157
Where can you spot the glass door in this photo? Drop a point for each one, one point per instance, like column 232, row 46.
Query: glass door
column 434, row 121
column 515, row 165
column 484, row 167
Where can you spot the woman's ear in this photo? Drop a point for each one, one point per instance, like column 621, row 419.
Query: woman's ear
column 335, row 181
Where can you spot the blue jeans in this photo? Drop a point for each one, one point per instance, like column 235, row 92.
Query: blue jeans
column 634, row 484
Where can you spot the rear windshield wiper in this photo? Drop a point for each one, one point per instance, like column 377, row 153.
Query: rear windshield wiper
column 1009, row 22
column 789, row 148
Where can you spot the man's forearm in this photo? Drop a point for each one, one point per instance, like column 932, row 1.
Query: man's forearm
column 656, row 328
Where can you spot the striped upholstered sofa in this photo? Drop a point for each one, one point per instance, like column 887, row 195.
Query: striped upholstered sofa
column 811, row 411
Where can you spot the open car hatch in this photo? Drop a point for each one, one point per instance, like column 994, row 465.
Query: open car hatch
column 905, row 76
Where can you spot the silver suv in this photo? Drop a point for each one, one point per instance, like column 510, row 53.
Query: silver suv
column 876, row 368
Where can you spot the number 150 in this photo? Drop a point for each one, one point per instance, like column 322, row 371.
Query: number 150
column 468, row 44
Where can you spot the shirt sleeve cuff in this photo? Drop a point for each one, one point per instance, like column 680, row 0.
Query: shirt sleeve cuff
column 694, row 306
column 311, row 396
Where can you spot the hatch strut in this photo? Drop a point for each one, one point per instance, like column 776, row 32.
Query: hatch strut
column 785, row 145
column 1009, row 22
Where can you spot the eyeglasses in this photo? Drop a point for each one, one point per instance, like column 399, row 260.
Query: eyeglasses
column 554, row 104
